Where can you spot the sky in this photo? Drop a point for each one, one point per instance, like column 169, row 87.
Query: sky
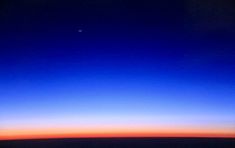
column 101, row 68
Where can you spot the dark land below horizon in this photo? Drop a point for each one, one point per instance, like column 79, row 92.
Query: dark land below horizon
column 121, row 143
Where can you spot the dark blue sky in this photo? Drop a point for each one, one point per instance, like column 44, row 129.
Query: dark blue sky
column 132, row 58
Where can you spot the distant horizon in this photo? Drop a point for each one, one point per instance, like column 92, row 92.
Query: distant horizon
column 116, row 137
column 50, row 133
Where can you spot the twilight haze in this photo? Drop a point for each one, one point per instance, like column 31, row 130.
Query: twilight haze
column 115, row 68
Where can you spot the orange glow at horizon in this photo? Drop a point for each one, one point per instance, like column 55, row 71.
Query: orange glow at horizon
column 92, row 132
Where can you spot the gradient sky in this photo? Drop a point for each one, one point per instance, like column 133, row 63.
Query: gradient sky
column 135, row 69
